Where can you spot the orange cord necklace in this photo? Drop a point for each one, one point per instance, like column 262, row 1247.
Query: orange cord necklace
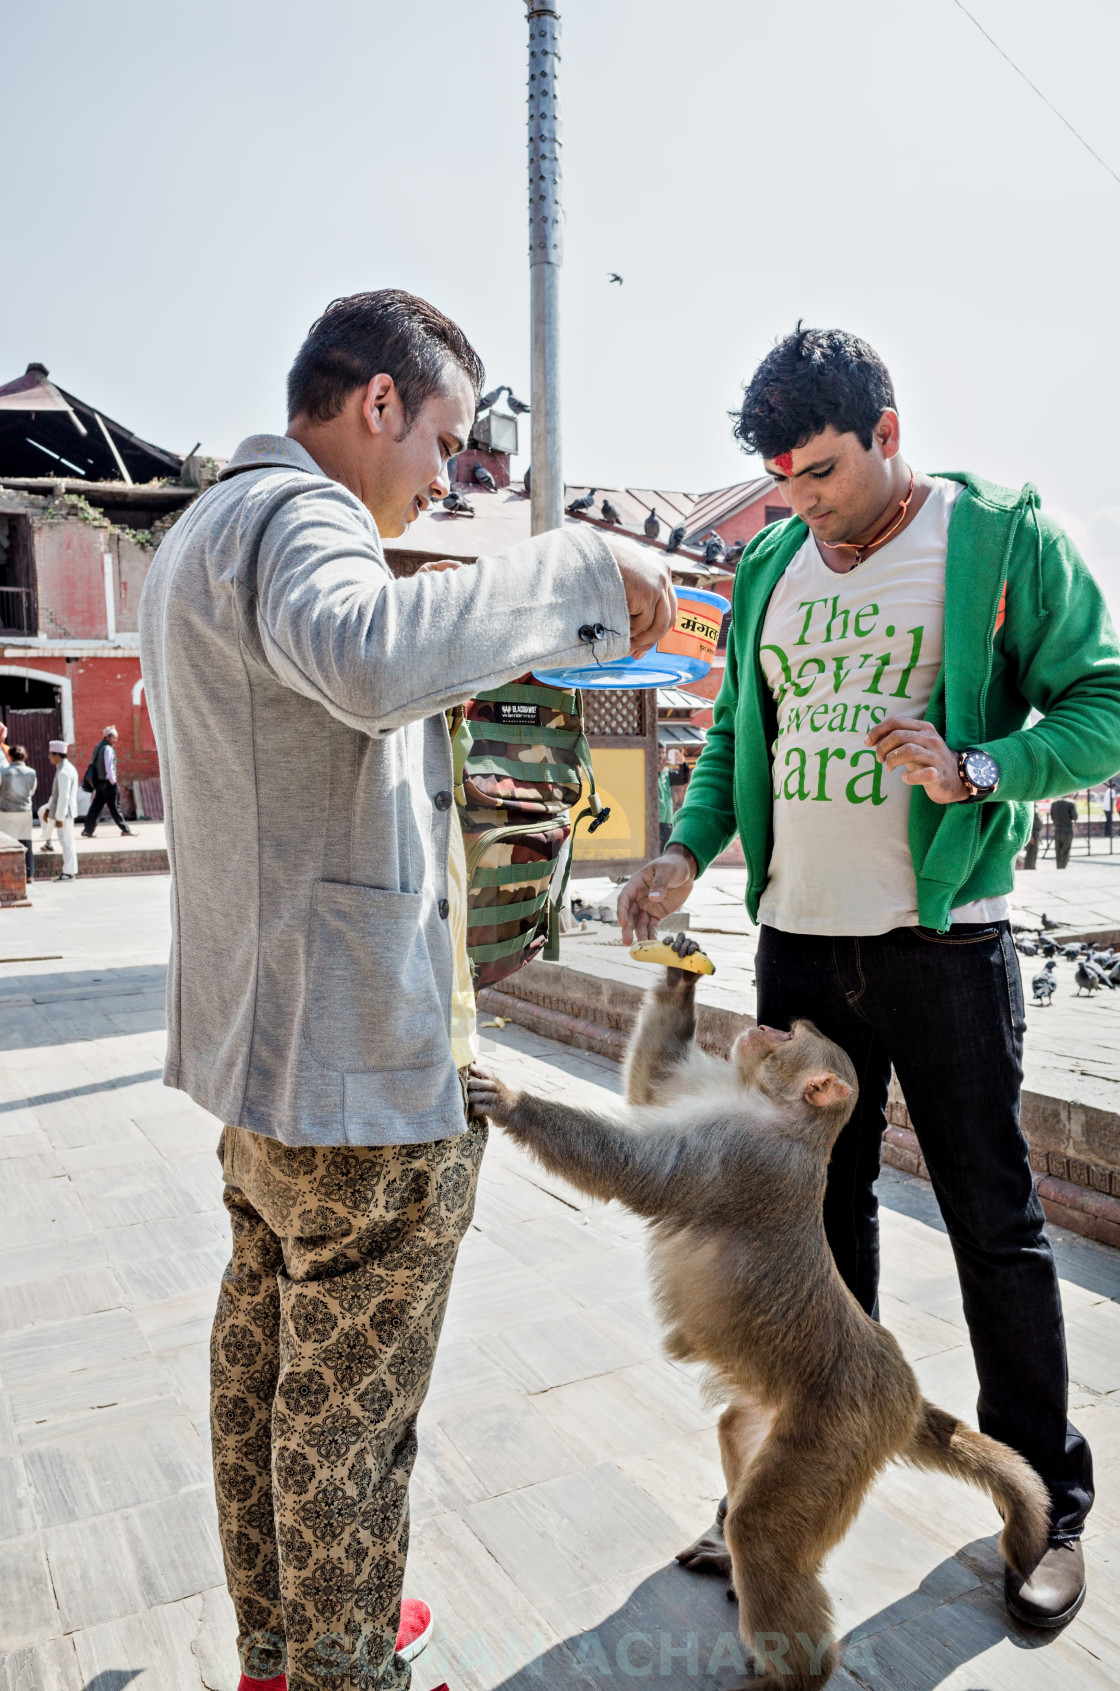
column 880, row 539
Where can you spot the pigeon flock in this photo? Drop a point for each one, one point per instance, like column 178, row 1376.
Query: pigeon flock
column 1094, row 967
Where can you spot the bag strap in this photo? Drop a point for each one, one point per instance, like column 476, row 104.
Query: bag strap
column 598, row 811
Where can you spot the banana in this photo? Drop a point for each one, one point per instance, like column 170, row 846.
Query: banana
column 656, row 951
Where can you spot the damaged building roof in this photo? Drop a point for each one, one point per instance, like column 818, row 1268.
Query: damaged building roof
column 45, row 431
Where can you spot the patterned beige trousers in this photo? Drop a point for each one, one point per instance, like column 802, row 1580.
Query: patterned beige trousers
column 322, row 1350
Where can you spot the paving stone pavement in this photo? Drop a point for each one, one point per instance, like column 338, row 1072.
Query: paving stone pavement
column 563, row 1459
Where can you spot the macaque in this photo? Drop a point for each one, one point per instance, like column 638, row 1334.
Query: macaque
column 727, row 1160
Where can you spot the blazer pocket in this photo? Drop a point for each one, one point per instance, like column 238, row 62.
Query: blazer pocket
column 372, row 1001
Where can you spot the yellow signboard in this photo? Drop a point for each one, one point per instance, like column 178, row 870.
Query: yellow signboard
column 620, row 779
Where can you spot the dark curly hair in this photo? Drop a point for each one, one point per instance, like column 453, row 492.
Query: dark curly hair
column 812, row 378
column 388, row 332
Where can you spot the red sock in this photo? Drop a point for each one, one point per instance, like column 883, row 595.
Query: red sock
column 278, row 1683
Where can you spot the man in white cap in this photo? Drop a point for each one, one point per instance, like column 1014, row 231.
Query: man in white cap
column 107, row 792
column 61, row 809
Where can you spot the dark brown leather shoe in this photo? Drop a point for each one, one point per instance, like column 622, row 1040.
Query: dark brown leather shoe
column 1056, row 1589
column 709, row 1553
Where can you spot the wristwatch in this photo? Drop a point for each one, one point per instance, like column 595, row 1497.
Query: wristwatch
column 979, row 773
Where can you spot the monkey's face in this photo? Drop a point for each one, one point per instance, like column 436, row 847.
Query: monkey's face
column 801, row 1069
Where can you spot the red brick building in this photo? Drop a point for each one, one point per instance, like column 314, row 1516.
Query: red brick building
column 75, row 548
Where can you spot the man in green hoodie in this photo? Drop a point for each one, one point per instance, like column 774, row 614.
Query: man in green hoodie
column 888, row 642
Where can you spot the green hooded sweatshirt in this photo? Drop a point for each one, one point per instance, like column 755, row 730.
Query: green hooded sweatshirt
column 1026, row 627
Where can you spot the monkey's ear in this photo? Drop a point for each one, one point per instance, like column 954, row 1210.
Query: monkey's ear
column 824, row 1089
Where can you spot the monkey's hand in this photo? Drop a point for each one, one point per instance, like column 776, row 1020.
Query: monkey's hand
column 682, row 983
column 488, row 1096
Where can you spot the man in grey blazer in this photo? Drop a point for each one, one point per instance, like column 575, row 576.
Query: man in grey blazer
column 318, row 1000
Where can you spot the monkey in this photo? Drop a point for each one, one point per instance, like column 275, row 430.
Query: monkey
column 727, row 1161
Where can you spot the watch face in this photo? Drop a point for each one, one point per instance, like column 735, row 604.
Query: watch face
column 981, row 770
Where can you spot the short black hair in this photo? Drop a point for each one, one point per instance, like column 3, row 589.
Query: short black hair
column 387, row 332
column 19, row 754
column 810, row 379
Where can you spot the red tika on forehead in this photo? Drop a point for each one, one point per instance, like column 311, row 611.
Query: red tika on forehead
column 784, row 461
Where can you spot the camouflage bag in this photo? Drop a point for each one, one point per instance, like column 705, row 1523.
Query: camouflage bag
column 522, row 763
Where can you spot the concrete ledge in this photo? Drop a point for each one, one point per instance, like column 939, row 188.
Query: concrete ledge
column 594, row 1013
column 1074, row 1148
column 1093, row 1213
column 48, row 865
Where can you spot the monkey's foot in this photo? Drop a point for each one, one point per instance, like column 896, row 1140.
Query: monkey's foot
column 709, row 1553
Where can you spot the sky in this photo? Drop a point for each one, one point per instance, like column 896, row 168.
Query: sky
column 185, row 189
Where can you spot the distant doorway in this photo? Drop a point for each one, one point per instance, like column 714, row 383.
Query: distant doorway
column 32, row 712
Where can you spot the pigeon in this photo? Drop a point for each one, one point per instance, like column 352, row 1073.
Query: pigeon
column 713, row 551
column 1047, row 947
column 1071, row 953
column 1114, row 974
column 615, row 277
column 484, row 478
column 652, row 525
column 734, row 552
column 491, row 398
column 1088, row 978
column 1027, row 947
column 1044, row 985
column 610, row 514
column 1047, row 925
column 578, row 506
column 517, row 406
column 457, row 505
column 1103, row 958
column 675, row 538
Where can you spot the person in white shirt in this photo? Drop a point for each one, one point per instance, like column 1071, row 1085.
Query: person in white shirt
column 871, row 747
column 61, row 809
column 107, row 793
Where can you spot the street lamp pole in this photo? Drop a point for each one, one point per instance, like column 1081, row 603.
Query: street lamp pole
column 546, row 252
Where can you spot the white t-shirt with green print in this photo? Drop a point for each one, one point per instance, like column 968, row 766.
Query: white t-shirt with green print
column 841, row 652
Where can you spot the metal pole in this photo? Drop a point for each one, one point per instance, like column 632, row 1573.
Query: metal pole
column 546, row 253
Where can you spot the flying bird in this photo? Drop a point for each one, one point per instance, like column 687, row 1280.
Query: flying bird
column 457, row 505
column 1044, row 985
column 578, row 506
column 484, row 478
column 614, row 277
column 610, row 514
column 652, row 525
column 675, row 538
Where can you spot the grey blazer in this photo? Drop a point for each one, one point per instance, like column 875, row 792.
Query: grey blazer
column 310, row 981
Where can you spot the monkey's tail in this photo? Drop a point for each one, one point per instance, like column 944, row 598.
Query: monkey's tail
column 943, row 1443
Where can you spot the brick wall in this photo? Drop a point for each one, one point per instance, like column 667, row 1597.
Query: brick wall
column 71, row 579
column 102, row 694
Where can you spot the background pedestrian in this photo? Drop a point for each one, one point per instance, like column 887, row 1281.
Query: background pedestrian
column 106, row 792
column 17, row 788
column 61, row 809
column 1063, row 814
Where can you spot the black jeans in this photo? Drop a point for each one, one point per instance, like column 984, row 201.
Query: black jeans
column 947, row 1011
column 107, row 797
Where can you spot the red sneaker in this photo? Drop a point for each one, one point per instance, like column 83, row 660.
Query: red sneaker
column 278, row 1683
column 416, row 1629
